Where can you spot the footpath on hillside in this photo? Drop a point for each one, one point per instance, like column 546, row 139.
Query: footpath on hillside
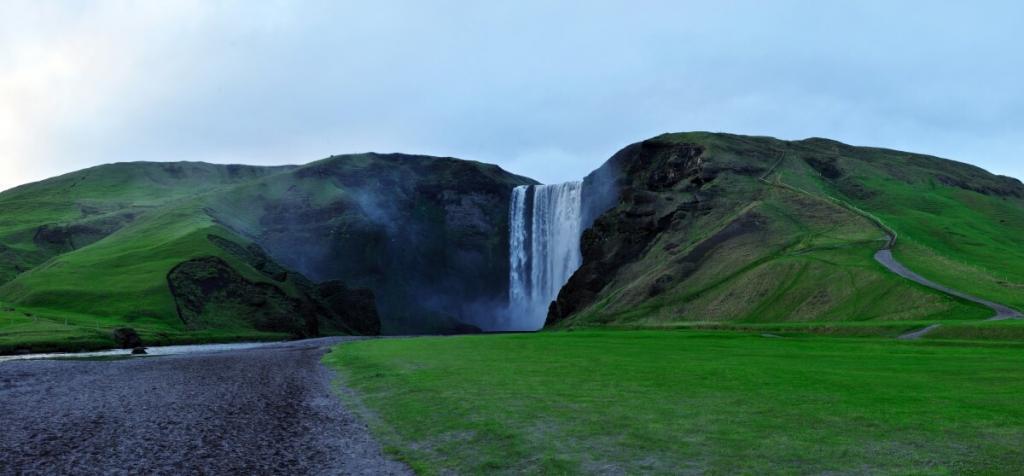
column 886, row 259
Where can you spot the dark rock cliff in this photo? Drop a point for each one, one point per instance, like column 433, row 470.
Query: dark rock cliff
column 209, row 292
column 623, row 202
column 427, row 235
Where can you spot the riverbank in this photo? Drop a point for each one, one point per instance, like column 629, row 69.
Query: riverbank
column 64, row 340
column 29, row 330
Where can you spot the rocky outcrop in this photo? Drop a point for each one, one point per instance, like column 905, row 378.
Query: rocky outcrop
column 252, row 255
column 126, row 338
column 999, row 186
column 53, row 238
column 61, row 238
column 828, row 157
column 352, row 310
column 209, row 293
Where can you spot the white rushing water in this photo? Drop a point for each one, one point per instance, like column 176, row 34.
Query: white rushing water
column 519, row 268
column 544, row 249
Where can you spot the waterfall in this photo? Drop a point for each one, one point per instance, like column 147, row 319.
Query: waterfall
column 518, row 289
column 544, row 249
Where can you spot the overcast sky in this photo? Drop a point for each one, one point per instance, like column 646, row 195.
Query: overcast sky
column 544, row 88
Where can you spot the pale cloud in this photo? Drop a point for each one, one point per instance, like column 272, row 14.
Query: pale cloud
column 69, row 76
column 545, row 89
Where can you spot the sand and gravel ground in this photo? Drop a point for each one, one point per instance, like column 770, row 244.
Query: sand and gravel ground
column 254, row 411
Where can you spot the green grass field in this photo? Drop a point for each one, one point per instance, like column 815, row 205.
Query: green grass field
column 968, row 330
column 690, row 401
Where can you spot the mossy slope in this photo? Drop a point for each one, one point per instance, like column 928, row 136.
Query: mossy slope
column 94, row 250
column 713, row 227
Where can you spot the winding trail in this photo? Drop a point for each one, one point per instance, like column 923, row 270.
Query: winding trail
column 889, row 261
column 266, row 410
column 886, row 259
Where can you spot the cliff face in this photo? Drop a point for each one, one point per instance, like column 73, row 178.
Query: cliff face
column 428, row 235
column 356, row 244
column 708, row 227
column 648, row 190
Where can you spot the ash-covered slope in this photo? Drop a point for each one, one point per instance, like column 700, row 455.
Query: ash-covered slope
column 712, row 227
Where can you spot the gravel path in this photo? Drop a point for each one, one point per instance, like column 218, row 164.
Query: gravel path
column 886, row 258
column 255, row 411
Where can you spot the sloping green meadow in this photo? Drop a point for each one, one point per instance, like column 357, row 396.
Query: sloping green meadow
column 761, row 232
column 675, row 402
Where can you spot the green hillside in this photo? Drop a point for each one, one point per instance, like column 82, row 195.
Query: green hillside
column 61, row 214
column 957, row 223
column 191, row 252
column 718, row 227
column 690, row 230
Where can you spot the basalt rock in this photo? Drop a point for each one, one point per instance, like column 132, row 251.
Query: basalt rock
column 253, row 255
column 646, row 180
column 209, row 293
column 428, row 236
column 61, row 238
column 127, row 338
column 349, row 309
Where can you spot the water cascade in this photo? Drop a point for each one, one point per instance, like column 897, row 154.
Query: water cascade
column 544, row 249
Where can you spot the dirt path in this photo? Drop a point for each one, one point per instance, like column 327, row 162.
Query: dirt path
column 886, row 258
column 254, row 411
column 889, row 261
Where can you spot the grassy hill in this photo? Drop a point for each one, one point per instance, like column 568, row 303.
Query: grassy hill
column 41, row 220
column 957, row 223
column 691, row 230
column 718, row 227
column 193, row 252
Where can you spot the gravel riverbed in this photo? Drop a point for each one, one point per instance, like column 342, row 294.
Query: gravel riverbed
column 265, row 410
